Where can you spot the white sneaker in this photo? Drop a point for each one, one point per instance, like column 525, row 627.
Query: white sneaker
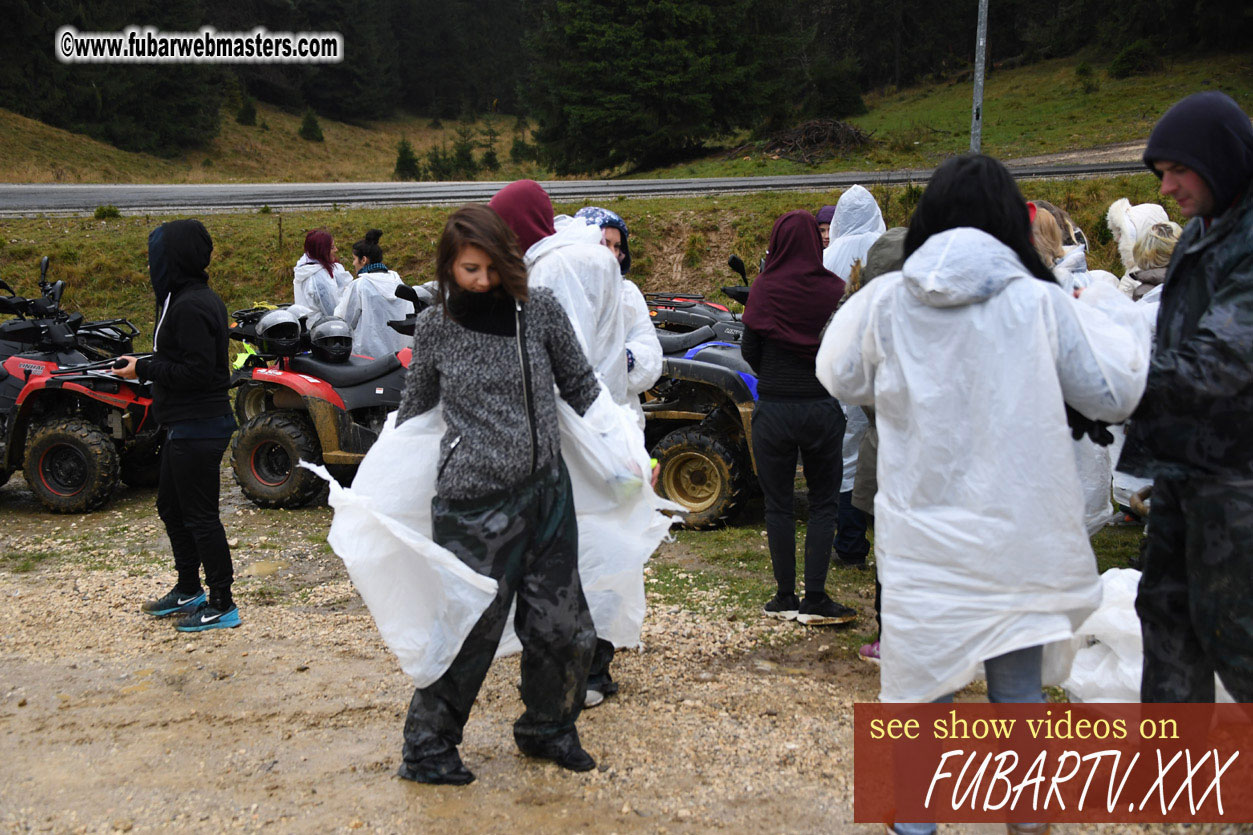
column 593, row 698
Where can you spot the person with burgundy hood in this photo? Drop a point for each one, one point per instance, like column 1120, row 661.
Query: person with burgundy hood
column 1190, row 433
column 792, row 300
column 586, row 279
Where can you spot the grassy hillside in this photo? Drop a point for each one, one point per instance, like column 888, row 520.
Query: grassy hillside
column 676, row 244
column 270, row 151
column 1037, row 109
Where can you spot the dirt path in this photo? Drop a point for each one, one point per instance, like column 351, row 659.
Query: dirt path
column 111, row 721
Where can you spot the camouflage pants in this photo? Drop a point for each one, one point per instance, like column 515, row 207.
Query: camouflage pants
column 527, row 540
column 1195, row 600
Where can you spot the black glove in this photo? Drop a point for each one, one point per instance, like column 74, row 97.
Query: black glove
column 1094, row 429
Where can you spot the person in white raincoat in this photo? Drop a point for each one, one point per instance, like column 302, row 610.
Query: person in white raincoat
column 1127, row 223
column 582, row 274
column 969, row 355
column 586, row 279
column 643, row 350
column 370, row 302
column 319, row 279
column 856, row 224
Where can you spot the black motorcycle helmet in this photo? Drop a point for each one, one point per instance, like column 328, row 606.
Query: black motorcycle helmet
column 279, row 331
column 331, row 340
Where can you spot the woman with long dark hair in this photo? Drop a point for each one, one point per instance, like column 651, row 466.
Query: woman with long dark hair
column 971, row 355
column 491, row 352
column 791, row 301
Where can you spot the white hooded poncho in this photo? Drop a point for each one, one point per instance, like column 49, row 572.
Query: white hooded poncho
column 856, row 225
column 979, row 524
column 367, row 306
column 642, row 342
column 1129, row 222
column 316, row 289
column 587, row 281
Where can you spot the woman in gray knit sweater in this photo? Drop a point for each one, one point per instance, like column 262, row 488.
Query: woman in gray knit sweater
column 491, row 354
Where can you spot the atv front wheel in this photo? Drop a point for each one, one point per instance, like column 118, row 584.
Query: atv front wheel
column 701, row 472
column 71, row 465
column 265, row 458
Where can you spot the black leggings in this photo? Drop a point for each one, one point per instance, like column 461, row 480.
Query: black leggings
column 187, row 502
column 815, row 430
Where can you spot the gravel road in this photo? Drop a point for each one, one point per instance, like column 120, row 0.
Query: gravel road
column 111, row 721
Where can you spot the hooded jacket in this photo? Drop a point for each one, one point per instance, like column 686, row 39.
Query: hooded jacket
column 1198, row 403
column 316, row 289
column 979, row 525
column 189, row 370
column 856, row 224
column 367, row 305
column 583, row 275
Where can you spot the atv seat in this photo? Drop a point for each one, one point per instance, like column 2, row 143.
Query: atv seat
column 677, row 343
column 340, row 374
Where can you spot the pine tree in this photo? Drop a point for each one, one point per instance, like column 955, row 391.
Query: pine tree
column 407, row 165
column 310, row 130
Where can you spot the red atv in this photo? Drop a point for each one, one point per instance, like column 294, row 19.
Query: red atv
column 302, row 395
column 72, row 427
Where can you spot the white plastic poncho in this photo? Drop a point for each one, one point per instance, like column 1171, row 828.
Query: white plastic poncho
column 979, row 530
column 586, row 280
column 367, row 306
column 425, row 601
column 1125, row 485
column 1110, row 658
column 856, row 225
column 641, row 341
column 1129, row 222
column 317, row 290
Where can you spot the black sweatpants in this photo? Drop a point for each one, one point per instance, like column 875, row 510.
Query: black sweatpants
column 527, row 539
column 815, row 429
column 187, row 502
column 1195, row 591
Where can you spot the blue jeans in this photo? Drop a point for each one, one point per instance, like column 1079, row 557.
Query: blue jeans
column 1013, row 678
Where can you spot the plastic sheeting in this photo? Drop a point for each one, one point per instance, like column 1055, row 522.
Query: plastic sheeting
column 586, row 279
column 315, row 289
column 367, row 305
column 979, row 524
column 641, row 341
column 857, row 224
column 1109, row 653
column 425, row 601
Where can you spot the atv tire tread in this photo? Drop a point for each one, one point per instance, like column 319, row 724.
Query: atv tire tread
column 99, row 457
column 694, row 447
column 292, row 432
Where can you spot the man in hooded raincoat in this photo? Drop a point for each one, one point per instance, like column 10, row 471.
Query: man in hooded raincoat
column 1190, row 432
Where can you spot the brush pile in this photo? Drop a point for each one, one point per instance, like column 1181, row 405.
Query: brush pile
column 814, row 141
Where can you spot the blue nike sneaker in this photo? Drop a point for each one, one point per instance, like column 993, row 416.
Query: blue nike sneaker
column 207, row 617
column 174, row 603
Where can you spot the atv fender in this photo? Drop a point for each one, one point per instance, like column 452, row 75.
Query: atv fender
column 733, row 384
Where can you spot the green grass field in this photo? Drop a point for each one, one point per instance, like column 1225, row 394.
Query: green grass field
column 1038, row 109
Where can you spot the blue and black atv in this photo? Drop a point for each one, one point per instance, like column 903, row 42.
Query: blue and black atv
column 699, row 415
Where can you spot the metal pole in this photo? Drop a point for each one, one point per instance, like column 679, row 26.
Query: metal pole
column 981, row 49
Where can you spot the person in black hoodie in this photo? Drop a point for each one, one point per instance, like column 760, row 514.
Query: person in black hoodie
column 1190, row 433
column 190, row 373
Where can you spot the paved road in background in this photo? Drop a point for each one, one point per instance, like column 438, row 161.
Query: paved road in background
column 26, row 200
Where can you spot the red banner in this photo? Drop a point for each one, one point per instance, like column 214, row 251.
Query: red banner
column 1063, row 763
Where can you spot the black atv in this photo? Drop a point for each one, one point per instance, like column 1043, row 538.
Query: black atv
column 699, row 414
column 73, row 428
